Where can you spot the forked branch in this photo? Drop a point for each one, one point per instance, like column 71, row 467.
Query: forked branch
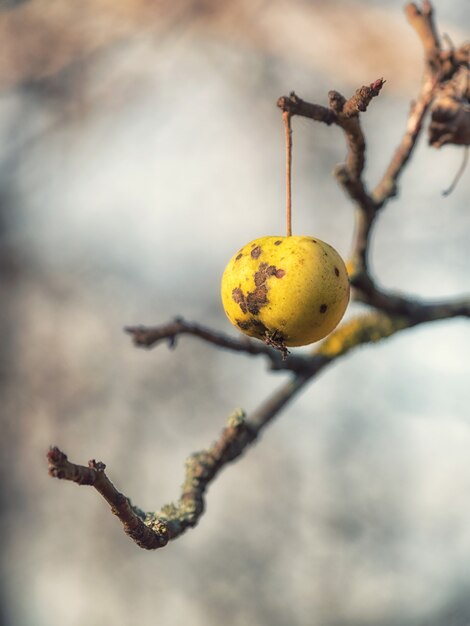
column 153, row 530
column 391, row 313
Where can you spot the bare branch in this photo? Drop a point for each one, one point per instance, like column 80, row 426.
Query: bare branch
column 387, row 187
column 94, row 475
column 369, row 205
column 450, row 124
column 154, row 529
column 348, row 120
column 422, row 20
column 148, row 337
column 296, row 106
column 393, row 312
column 344, row 113
column 414, row 310
column 440, row 66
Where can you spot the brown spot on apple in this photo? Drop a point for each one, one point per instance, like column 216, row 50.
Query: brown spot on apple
column 254, row 300
column 253, row 325
column 239, row 297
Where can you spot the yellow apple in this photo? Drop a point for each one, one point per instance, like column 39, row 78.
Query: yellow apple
column 288, row 291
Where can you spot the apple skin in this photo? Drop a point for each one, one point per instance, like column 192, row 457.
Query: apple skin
column 293, row 289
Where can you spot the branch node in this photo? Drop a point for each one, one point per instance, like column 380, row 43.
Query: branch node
column 98, row 466
column 288, row 103
column 336, row 101
column 363, row 96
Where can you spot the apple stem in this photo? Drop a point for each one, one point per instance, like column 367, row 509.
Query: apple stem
column 287, row 125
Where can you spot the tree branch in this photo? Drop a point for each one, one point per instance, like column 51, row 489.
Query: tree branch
column 440, row 68
column 148, row 337
column 153, row 530
column 387, row 187
column 392, row 312
column 416, row 311
column 343, row 113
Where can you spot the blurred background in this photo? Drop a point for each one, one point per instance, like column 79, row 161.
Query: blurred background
column 140, row 147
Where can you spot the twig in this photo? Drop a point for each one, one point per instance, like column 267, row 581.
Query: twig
column 154, row 529
column 457, row 177
column 440, row 66
column 296, row 106
column 414, row 310
column 368, row 205
column 94, row 475
column 393, row 312
column 345, row 114
column 422, row 20
column 148, row 337
column 348, row 120
column 387, row 187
